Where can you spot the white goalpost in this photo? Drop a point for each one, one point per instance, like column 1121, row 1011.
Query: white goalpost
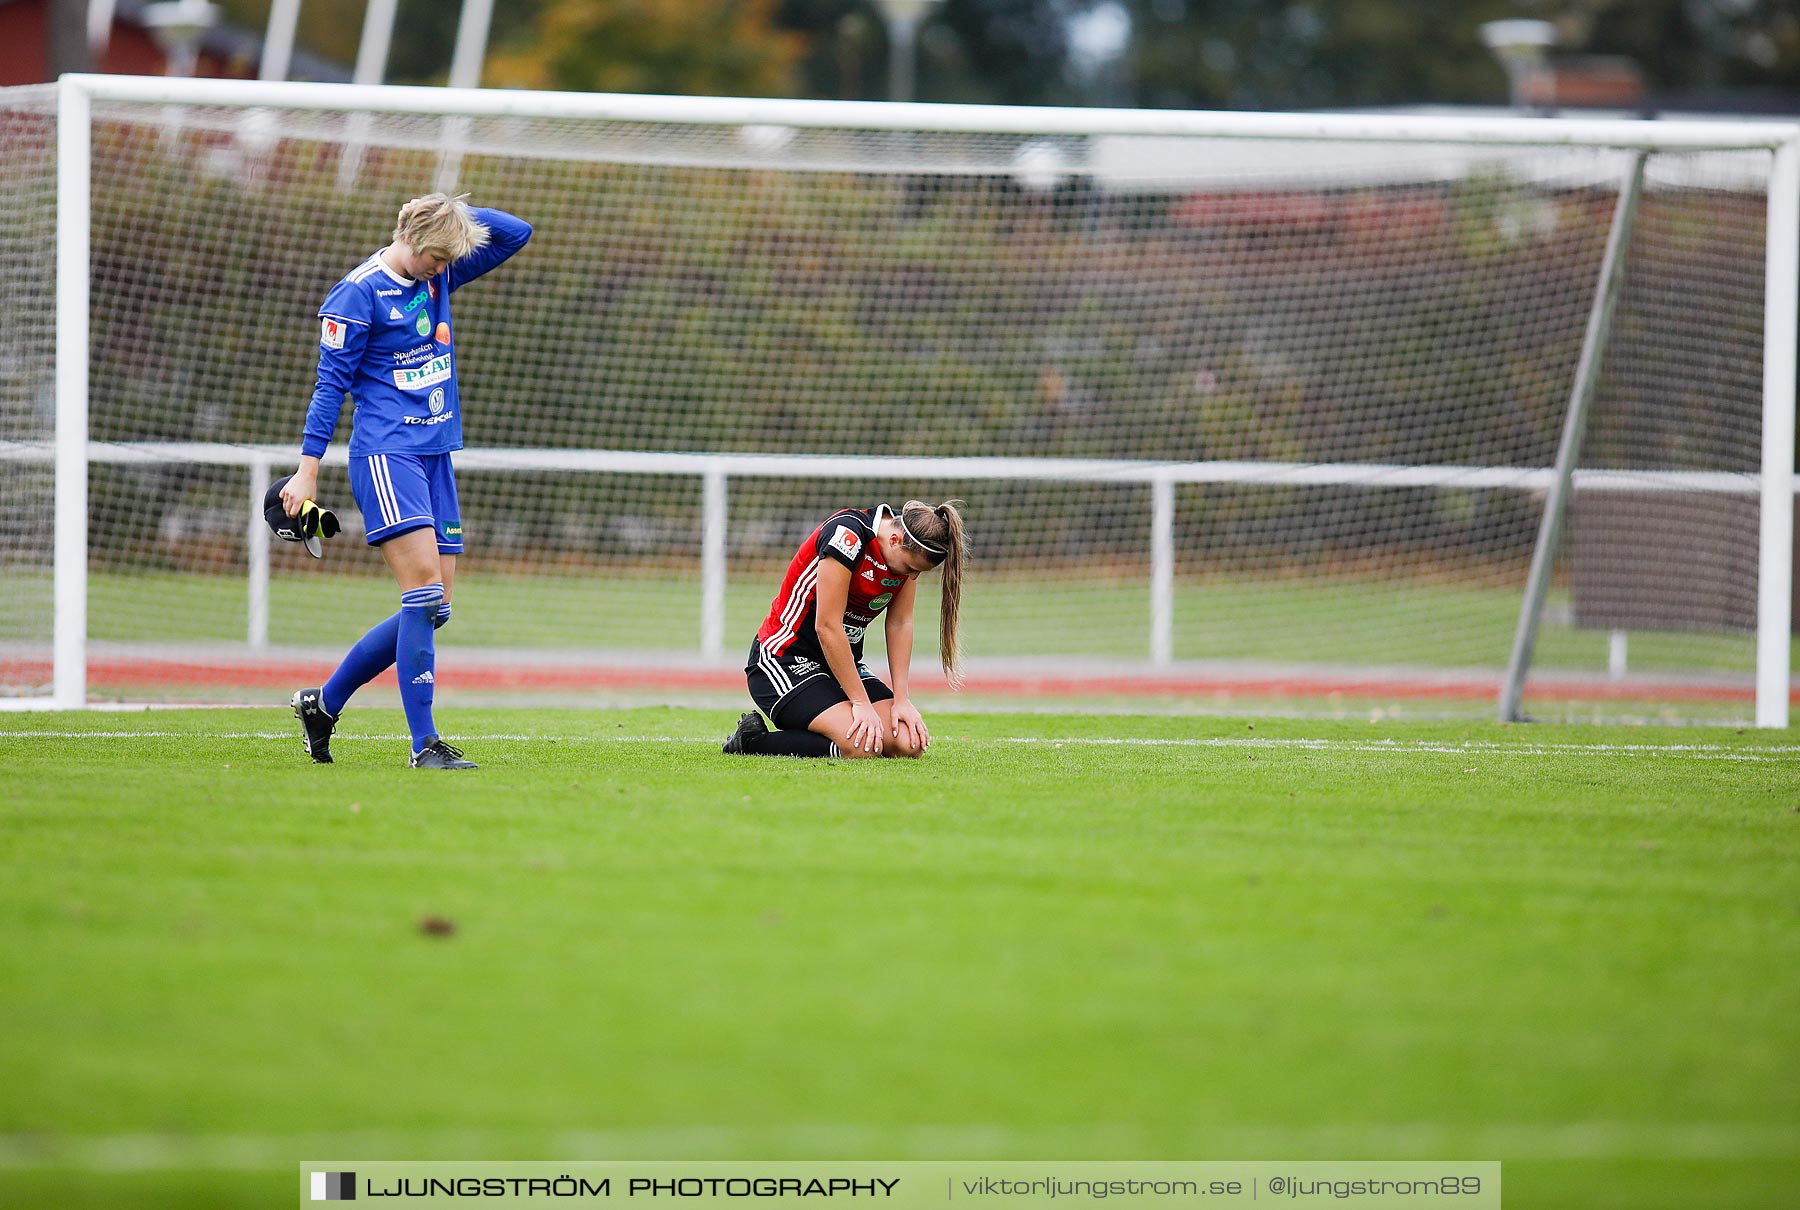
column 1255, row 406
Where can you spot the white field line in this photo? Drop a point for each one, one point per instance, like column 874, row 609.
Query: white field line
column 1779, row 752
column 1590, row 1140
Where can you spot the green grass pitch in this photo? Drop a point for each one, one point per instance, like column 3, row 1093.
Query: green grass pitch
column 1575, row 950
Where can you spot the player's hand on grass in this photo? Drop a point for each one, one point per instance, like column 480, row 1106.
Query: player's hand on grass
column 909, row 726
column 865, row 727
column 303, row 486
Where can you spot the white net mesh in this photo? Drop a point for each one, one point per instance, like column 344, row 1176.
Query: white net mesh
column 27, row 397
column 1286, row 324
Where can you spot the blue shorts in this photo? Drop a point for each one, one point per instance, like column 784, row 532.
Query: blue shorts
column 399, row 493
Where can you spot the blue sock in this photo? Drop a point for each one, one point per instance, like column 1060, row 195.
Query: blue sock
column 372, row 656
column 416, row 659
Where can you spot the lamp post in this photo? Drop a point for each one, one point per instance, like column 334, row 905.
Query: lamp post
column 1519, row 44
column 178, row 26
column 903, row 20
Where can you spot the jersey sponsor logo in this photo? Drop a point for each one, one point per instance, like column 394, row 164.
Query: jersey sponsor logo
column 417, row 301
column 805, row 666
column 881, row 601
column 331, row 332
column 423, row 325
column 394, row 313
column 387, row 294
column 428, row 375
column 442, row 335
column 845, row 539
column 435, row 401
column 887, row 583
column 453, row 531
column 854, row 633
column 415, row 353
column 428, row 420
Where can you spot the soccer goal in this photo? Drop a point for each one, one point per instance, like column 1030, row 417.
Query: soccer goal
column 1246, row 408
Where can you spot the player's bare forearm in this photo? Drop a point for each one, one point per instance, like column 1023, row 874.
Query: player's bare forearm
column 302, row 486
column 899, row 649
column 836, row 646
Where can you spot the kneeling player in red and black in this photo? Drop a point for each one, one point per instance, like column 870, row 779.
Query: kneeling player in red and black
column 806, row 670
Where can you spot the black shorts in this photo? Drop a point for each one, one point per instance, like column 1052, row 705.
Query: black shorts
column 796, row 687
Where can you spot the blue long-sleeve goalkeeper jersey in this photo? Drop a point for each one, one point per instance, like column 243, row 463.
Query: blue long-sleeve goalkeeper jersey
column 388, row 342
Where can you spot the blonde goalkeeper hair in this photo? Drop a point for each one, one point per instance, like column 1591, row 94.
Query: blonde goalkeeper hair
column 441, row 224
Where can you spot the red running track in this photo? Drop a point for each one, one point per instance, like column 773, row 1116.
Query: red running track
column 113, row 674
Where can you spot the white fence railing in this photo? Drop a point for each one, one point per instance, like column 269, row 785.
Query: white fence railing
column 714, row 472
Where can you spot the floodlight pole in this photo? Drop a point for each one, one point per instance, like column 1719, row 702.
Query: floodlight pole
column 903, row 19
column 278, row 42
column 465, row 72
column 371, row 66
column 178, row 26
column 471, row 43
column 1520, row 45
column 99, row 27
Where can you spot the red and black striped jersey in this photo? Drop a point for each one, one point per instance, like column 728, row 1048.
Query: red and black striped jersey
column 847, row 536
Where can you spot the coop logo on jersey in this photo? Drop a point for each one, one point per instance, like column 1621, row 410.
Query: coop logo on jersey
column 331, row 332
column 334, row 1186
column 417, row 301
column 436, row 401
column 845, row 539
column 887, row 583
column 430, row 374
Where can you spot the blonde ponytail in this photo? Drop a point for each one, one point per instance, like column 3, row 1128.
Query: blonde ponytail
column 938, row 531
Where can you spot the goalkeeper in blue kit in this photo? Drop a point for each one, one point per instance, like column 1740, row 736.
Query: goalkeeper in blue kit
column 386, row 340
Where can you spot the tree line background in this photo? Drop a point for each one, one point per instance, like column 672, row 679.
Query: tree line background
column 1211, row 54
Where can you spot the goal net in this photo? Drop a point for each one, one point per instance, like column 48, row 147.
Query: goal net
column 1248, row 411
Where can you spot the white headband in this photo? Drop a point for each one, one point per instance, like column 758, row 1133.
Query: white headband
column 927, row 547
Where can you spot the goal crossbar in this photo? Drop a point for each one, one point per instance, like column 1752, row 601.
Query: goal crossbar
column 963, row 119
